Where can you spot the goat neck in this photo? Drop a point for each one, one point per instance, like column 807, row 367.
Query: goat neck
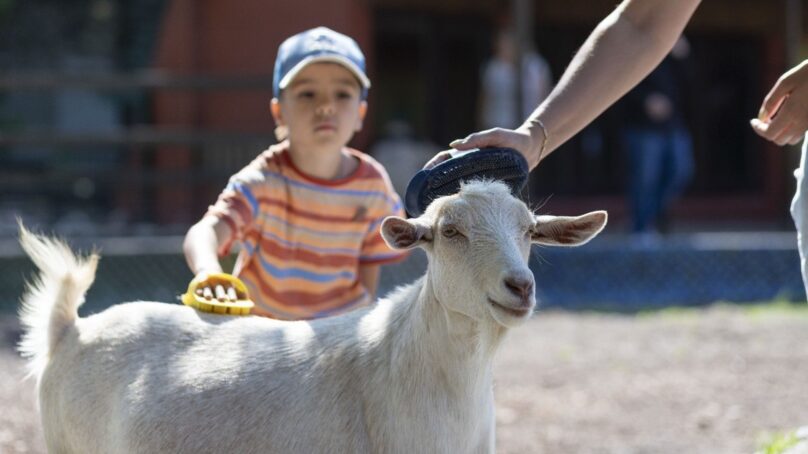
column 428, row 336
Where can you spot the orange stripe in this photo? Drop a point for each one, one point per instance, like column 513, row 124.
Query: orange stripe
column 287, row 300
column 270, row 247
column 277, row 157
column 291, row 209
column 313, row 242
column 365, row 170
column 275, row 221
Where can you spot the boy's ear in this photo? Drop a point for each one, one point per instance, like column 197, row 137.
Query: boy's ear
column 363, row 110
column 281, row 131
column 275, row 110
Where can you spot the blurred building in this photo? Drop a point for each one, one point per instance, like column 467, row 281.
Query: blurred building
column 135, row 113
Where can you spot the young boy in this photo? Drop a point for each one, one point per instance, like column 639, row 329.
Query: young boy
column 306, row 211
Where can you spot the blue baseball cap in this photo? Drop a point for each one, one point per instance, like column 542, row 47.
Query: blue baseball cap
column 319, row 44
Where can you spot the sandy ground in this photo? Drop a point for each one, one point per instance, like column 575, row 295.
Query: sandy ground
column 707, row 381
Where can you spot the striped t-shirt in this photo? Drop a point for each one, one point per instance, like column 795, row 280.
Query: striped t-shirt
column 304, row 238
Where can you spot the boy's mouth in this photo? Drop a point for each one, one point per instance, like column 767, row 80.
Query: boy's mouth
column 325, row 127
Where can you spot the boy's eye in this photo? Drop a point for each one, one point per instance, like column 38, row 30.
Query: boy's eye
column 344, row 95
column 305, row 94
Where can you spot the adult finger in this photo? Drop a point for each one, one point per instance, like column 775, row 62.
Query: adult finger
column 759, row 127
column 785, row 138
column 783, row 128
column 492, row 137
column 778, row 127
column 796, row 133
column 774, row 99
column 795, row 139
column 765, row 130
column 784, row 134
column 437, row 159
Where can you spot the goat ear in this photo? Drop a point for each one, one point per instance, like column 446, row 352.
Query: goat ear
column 401, row 233
column 568, row 230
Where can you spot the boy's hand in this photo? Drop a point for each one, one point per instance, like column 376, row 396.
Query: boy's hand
column 213, row 287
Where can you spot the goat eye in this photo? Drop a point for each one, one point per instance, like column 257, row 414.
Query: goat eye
column 449, row 232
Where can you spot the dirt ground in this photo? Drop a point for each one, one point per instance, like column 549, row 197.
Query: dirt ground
column 705, row 381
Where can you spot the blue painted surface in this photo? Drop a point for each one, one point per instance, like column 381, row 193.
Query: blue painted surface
column 654, row 278
column 620, row 273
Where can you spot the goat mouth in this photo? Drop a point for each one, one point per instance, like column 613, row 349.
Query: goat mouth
column 512, row 311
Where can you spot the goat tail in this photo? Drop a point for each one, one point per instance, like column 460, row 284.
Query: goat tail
column 51, row 301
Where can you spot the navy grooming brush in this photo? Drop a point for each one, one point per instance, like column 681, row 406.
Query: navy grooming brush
column 503, row 164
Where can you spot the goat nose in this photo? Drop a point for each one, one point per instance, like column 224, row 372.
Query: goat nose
column 519, row 286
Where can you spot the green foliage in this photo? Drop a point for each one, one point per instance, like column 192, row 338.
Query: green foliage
column 753, row 310
column 777, row 307
column 777, row 443
column 673, row 312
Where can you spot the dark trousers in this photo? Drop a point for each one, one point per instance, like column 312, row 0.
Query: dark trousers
column 660, row 166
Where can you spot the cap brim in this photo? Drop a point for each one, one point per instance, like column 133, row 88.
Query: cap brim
column 348, row 64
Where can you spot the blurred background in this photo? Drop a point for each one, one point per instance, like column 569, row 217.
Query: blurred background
column 121, row 121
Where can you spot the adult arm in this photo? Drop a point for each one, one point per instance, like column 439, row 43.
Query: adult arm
column 618, row 54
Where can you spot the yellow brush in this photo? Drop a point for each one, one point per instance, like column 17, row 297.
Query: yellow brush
column 241, row 306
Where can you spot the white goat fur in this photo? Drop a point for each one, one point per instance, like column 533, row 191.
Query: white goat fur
column 410, row 374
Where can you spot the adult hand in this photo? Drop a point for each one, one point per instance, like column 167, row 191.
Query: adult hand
column 783, row 117
column 518, row 139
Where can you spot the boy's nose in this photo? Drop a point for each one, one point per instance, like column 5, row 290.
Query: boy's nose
column 325, row 108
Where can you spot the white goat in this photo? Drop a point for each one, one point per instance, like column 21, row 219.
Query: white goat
column 411, row 374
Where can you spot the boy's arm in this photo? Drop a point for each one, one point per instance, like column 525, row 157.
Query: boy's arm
column 202, row 243
column 369, row 277
column 620, row 52
column 201, row 246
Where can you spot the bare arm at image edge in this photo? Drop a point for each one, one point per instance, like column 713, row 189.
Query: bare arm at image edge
column 622, row 50
column 783, row 117
column 202, row 244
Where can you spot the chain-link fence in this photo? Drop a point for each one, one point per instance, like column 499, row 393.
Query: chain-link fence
column 612, row 273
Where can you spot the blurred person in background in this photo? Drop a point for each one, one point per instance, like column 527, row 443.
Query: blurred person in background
column 658, row 144
column 307, row 210
column 499, row 104
column 402, row 153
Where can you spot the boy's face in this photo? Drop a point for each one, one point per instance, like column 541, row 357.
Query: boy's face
column 321, row 107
